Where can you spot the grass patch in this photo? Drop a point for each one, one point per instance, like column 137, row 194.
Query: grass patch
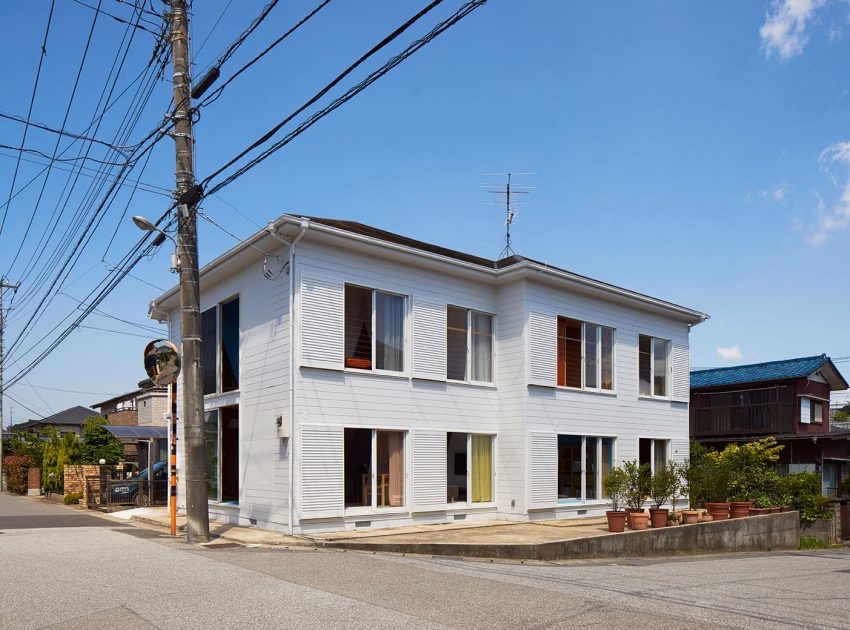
column 813, row 543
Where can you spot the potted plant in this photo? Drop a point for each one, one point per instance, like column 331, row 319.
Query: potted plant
column 637, row 490
column 615, row 485
column 673, row 519
column 715, row 476
column 662, row 486
column 740, row 506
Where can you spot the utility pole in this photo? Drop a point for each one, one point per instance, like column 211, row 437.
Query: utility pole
column 187, row 194
column 14, row 287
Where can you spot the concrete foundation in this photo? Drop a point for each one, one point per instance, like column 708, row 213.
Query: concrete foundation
column 756, row 533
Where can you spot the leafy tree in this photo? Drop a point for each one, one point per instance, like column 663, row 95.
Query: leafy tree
column 98, row 443
column 59, row 451
column 616, row 485
column 638, row 484
column 664, row 484
column 27, row 444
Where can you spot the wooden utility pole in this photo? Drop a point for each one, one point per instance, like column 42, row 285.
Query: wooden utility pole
column 195, row 449
column 14, row 287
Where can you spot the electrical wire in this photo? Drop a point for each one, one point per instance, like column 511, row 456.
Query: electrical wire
column 61, row 132
column 29, row 112
column 440, row 28
column 19, row 403
column 97, row 9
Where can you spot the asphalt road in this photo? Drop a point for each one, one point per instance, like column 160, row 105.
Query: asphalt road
column 64, row 569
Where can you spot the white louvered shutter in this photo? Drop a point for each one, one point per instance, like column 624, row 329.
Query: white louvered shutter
column 429, row 340
column 542, row 348
column 322, row 472
column 322, row 322
column 543, row 468
column 429, row 471
column 681, row 373
column 681, row 449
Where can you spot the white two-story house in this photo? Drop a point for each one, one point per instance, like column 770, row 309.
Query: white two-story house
column 358, row 378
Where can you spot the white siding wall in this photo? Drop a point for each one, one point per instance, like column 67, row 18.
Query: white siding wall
column 263, row 393
column 356, row 399
column 622, row 414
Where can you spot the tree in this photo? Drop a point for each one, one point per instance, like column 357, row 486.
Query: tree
column 59, row 451
column 638, row 485
column 27, row 444
column 98, row 443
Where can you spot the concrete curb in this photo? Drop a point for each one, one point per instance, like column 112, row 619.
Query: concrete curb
column 755, row 533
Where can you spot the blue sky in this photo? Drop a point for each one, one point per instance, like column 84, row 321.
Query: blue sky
column 698, row 152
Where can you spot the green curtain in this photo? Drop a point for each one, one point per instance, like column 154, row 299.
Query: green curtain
column 482, row 468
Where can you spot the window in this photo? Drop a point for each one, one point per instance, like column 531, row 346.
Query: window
column 220, row 352
column 653, row 452
column 811, row 411
column 585, row 355
column 469, row 461
column 222, row 437
column 469, row 345
column 374, row 468
column 653, row 366
column 374, row 330
column 583, row 467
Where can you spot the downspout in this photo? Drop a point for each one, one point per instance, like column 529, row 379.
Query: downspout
column 292, row 245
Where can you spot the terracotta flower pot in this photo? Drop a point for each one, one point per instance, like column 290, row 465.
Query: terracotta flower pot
column 759, row 511
column 672, row 522
column 629, row 512
column 785, row 508
column 689, row 517
column 775, row 510
column 718, row 511
column 640, row 520
column 740, row 509
column 616, row 520
column 658, row 516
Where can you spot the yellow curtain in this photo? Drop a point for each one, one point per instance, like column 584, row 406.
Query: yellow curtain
column 395, row 446
column 482, row 468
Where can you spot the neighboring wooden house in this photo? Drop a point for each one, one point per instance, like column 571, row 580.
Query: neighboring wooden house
column 786, row 399
column 70, row 420
column 358, row 378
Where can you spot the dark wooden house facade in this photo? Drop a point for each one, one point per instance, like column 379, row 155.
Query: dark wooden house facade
column 788, row 400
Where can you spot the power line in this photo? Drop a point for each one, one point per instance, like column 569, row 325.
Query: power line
column 29, row 111
column 213, row 96
column 117, row 332
column 465, row 10
column 97, row 9
column 377, row 47
column 149, row 329
column 60, row 132
column 18, row 402
column 68, row 391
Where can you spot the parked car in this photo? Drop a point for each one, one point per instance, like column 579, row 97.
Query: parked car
column 141, row 489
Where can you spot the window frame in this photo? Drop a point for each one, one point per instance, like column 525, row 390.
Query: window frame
column 668, row 449
column 405, row 360
column 469, row 503
column 373, row 507
column 583, row 484
column 668, row 376
column 219, row 347
column 584, row 388
column 470, row 313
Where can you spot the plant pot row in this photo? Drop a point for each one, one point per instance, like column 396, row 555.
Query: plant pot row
column 739, row 509
column 639, row 519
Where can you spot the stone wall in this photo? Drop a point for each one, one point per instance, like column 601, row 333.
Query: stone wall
column 75, row 480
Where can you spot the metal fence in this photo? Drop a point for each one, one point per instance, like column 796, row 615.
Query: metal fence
column 106, row 493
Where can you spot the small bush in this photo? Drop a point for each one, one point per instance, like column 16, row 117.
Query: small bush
column 15, row 468
column 813, row 543
column 72, row 498
column 803, row 490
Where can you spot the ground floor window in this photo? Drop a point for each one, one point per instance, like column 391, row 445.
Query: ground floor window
column 469, row 468
column 583, row 466
column 374, row 468
column 222, row 436
column 653, row 452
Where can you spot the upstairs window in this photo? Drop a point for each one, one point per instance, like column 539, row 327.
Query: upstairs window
column 220, row 347
column 653, row 366
column 585, row 355
column 469, row 345
column 374, row 330
column 811, row 411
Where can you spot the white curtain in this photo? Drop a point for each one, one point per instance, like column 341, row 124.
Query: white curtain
column 389, row 334
column 482, row 348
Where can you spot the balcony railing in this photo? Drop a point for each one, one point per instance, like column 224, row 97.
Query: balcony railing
column 743, row 412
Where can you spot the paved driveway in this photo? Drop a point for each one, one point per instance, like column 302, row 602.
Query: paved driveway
column 104, row 576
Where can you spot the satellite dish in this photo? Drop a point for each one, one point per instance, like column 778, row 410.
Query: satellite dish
column 162, row 362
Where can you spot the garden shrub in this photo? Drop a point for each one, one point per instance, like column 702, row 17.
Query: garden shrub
column 97, row 443
column 72, row 498
column 803, row 493
column 15, row 469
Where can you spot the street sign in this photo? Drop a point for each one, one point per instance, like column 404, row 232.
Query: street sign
column 162, row 362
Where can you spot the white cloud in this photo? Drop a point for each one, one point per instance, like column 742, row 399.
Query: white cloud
column 778, row 194
column 831, row 220
column 784, row 28
column 730, row 354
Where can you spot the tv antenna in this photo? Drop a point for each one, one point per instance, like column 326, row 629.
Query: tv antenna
column 506, row 192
